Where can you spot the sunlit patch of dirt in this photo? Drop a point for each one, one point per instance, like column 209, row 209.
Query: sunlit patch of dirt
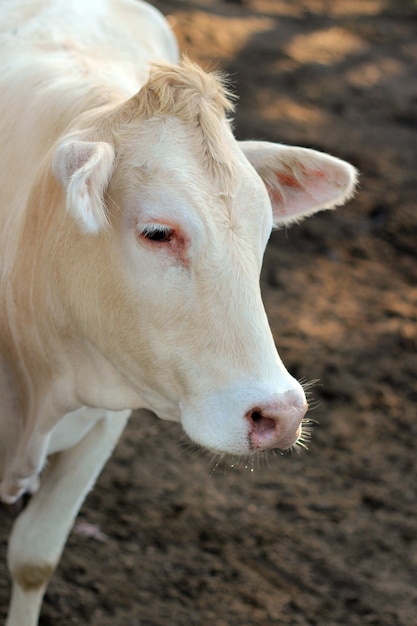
column 327, row 46
column 225, row 36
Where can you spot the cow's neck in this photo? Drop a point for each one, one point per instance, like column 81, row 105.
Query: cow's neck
column 57, row 370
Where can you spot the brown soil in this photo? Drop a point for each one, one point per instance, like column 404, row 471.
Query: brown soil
column 326, row 537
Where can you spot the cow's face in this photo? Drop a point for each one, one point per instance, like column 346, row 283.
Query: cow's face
column 192, row 258
column 188, row 330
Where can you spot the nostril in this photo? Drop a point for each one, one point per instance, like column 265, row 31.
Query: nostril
column 275, row 423
column 260, row 423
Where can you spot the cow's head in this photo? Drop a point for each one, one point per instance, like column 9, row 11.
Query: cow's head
column 178, row 214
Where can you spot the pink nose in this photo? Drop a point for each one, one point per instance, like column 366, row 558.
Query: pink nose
column 277, row 424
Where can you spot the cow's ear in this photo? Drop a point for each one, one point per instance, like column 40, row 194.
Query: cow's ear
column 84, row 169
column 300, row 181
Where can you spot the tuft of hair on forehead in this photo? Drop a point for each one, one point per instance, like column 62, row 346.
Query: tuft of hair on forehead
column 196, row 97
column 184, row 91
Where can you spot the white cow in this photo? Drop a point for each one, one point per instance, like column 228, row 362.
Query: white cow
column 132, row 229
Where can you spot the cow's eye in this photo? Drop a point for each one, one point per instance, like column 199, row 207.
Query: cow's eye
column 157, row 233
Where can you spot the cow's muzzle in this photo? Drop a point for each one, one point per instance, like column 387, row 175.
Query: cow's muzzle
column 277, row 424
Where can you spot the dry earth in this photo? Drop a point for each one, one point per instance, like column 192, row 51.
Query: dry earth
column 326, row 537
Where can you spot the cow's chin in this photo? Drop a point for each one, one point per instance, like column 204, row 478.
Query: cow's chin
column 242, row 443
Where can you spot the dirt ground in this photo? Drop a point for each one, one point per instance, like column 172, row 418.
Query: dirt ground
column 326, row 537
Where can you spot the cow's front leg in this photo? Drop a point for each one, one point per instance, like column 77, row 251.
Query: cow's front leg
column 40, row 532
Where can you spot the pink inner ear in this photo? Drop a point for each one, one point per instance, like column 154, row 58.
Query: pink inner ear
column 294, row 196
column 77, row 156
column 286, row 180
